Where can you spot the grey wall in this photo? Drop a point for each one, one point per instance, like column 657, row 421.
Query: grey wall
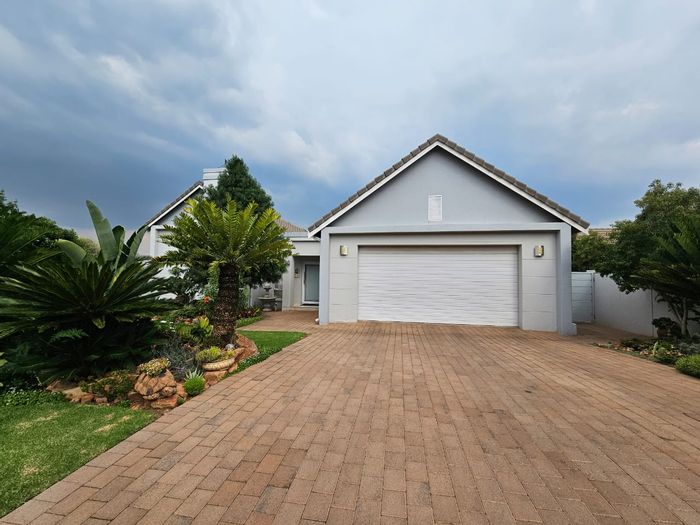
column 469, row 197
column 539, row 291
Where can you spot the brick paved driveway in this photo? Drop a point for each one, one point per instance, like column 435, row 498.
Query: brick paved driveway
column 392, row 423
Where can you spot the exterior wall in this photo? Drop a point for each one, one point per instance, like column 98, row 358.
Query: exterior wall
column 582, row 290
column 540, row 307
column 468, row 197
column 305, row 250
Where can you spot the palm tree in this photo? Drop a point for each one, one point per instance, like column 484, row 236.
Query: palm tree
column 231, row 240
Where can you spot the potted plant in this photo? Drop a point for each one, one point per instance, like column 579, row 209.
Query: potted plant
column 665, row 326
column 214, row 358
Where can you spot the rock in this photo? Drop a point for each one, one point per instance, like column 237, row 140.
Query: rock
column 232, row 368
column 73, row 395
column 246, row 347
column 212, row 378
column 87, row 397
column 165, row 402
column 181, row 393
column 134, row 398
column 101, row 400
column 152, row 388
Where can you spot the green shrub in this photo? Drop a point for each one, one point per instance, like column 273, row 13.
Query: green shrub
column 79, row 314
column 181, row 357
column 154, row 367
column 689, row 364
column 115, row 385
column 30, row 397
column 689, row 347
column 213, row 354
column 194, row 383
column 664, row 352
column 196, row 331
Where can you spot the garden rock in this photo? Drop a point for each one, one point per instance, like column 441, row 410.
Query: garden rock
column 100, row 400
column 152, row 388
column 246, row 347
column 214, row 377
column 165, row 402
column 87, row 397
column 181, row 391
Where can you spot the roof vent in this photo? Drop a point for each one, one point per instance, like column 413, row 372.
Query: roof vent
column 434, row 208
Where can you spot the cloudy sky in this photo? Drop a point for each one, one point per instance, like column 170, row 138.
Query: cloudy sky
column 125, row 102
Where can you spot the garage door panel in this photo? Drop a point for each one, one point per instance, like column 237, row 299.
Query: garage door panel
column 465, row 285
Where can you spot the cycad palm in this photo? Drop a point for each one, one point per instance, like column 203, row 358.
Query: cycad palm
column 234, row 241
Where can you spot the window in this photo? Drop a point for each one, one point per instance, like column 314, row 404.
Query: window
column 434, row 208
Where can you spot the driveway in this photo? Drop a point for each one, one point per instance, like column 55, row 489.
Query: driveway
column 395, row 423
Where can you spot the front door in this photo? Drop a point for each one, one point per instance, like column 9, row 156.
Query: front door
column 311, row 272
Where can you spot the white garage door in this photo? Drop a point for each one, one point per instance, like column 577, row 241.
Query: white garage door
column 440, row 284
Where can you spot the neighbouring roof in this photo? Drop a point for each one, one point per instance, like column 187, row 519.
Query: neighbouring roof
column 288, row 226
column 449, row 145
column 603, row 232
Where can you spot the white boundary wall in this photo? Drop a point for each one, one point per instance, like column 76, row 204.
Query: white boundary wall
column 631, row 312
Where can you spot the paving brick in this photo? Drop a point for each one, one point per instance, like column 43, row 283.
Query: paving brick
column 407, row 423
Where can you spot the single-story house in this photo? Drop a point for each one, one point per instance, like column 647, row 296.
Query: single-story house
column 440, row 237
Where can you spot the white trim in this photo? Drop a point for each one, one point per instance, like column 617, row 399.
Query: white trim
column 175, row 205
column 304, row 302
column 434, row 145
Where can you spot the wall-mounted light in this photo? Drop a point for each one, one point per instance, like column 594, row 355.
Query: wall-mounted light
column 539, row 250
column 343, row 250
column 296, row 272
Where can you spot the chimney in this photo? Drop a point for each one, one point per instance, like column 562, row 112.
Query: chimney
column 211, row 175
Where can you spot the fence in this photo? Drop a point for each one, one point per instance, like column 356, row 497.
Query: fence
column 597, row 299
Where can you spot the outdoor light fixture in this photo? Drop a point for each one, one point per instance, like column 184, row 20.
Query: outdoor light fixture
column 296, row 272
column 343, row 250
column 539, row 250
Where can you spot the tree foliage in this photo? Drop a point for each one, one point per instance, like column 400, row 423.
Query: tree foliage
column 674, row 271
column 234, row 241
column 631, row 241
column 237, row 184
column 587, row 251
column 79, row 313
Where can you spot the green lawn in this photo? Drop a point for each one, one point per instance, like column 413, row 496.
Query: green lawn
column 41, row 444
column 248, row 321
column 268, row 343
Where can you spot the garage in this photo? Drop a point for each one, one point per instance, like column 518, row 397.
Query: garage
column 439, row 284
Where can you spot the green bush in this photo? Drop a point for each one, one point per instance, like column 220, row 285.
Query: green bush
column 689, row 364
column 78, row 314
column 213, row 354
column 196, row 331
column 115, row 385
column 689, row 347
column 30, row 397
column 194, row 384
column 154, row 367
column 664, row 352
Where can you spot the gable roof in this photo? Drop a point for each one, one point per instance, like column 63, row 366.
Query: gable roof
column 470, row 158
column 199, row 185
column 175, row 202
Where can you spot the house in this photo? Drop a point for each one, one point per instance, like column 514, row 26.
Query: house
column 440, row 237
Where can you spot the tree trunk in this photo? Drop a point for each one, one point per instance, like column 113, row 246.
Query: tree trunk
column 684, row 320
column 226, row 307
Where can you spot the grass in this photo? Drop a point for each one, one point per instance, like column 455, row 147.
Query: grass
column 246, row 321
column 42, row 443
column 268, row 343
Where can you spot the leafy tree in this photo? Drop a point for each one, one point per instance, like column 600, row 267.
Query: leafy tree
column 236, row 183
column 587, row 251
column 81, row 314
column 674, row 271
column 634, row 243
column 633, row 240
column 231, row 240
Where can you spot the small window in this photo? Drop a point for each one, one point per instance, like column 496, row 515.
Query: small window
column 434, row 208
